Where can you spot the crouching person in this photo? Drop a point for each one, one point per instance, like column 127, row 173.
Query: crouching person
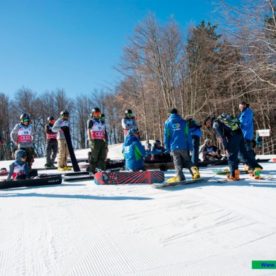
column 19, row 169
column 133, row 151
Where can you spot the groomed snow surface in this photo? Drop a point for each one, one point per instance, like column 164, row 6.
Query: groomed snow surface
column 84, row 229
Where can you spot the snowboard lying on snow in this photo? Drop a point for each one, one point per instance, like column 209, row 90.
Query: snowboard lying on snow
column 77, row 176
column 143, row 177
column 42, row 180
column 185, row 182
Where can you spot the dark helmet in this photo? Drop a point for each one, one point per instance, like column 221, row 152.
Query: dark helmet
column 20, row 154
column 128, row 111
column 24, row 117
column 50, row 118
column 95, row 109
column 64, row 113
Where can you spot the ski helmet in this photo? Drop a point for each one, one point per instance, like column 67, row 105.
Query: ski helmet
column 64, row 113
column 24, row 117
column 50, row 118
column 20, row 154
column 95, row 109
column 128, row 111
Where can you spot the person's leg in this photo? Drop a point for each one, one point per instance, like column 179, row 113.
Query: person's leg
column 30, row 156
column 233, row 151
column 61, row 153
column 102, row 155
column 195, row 152
column 48, row 154
column 178, row 164
column 94, row 155
column 54, row 152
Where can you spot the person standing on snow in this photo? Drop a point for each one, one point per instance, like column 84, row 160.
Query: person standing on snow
column 22, row 137
column 133, row 151
column 63, row 152
column 195, row 129
column 178, row 142
column 128, row 122
column 246, row 118
column 228, row 131
column 98, row 140
column 51, row 143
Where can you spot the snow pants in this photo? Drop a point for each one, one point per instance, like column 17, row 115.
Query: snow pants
column 51, row 151
column 235, row 145
column 181, row 159
column 195, row 151
column 98, row 155
column 63, row 153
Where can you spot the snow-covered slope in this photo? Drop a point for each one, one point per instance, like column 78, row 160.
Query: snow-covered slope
column 84, row 229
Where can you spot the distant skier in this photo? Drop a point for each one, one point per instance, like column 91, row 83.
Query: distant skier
column 195, row 129
column 19, row 169
column 246, row 118
column 227, row 129
column 133, row 151
column 51, row 143
column 178, row 142
column 63, row 152
column 98, row 140
column 22, row 137
column 128, row 122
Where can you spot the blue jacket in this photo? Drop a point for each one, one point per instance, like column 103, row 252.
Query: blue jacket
column 195, row 128
column 134, row 153
column 247, row 125
column 177, row 135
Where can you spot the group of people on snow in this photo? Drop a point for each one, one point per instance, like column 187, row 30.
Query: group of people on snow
column 181, row 137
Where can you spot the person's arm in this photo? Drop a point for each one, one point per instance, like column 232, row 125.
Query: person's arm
column 246, row 118
column 219, row 132
column 124, row 124
column 139, row 150
column 14, row 134
column 10, row 171
column 57, row 125
column 167, row 137
column 89, row 126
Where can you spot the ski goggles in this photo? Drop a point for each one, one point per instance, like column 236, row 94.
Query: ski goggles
column 97, row 113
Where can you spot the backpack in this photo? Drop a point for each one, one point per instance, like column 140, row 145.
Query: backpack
column 230, row 121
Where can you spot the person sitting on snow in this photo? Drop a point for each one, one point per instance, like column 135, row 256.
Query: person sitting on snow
column 133, row 151
column 19, row 169
column 210, row 152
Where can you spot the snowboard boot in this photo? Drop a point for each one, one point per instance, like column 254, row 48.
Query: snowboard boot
column 195, row 172
column 234, row 177
column 256, row 174
column 174, row 180
column 47, row 165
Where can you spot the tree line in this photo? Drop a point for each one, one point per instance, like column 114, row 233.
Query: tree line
column 206, row 70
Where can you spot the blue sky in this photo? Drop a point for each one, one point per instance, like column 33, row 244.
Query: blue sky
column 75, row 44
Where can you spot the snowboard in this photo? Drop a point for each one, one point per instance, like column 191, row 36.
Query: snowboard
column 77, row 176
column 74, row 161
column 38, row 181
column 143, row 177
column 185, row 182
